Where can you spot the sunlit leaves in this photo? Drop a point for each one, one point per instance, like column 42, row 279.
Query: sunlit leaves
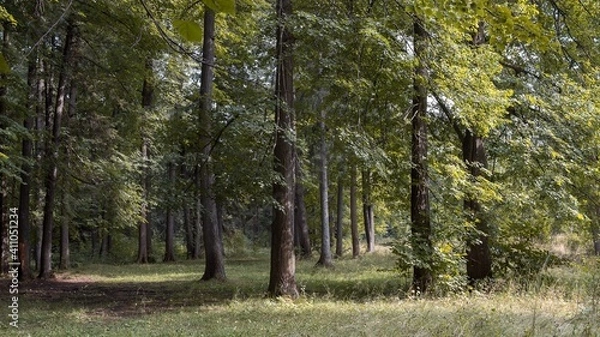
column 223, row 6
column 189, row 30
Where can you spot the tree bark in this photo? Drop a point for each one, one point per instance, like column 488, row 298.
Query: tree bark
column 339, row 246
column 325, row 258
column 301, row 234
column 479, row 260
column 26, row 169
column 368, row 212
column 144, row 239
column 213, row 239
column 53, row 151
column 282, row 279
column 420, row 208
column 170, row 230
column 65, row 251
column 596, row 239
column 354, row 214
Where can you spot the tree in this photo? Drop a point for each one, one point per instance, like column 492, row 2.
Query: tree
column 213, row 240
column 282, row 280
column 419, row 200
column 354, row 214
column 53, row 148
column 339, row 237
column 325, row 257
column 170, row 230
column 368, row 216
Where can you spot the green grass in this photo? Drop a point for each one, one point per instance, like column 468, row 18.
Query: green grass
column 362, row 297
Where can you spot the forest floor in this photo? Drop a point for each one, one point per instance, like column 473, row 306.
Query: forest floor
column 359, row 297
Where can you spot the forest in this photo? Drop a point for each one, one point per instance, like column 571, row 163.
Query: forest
column 384, row 149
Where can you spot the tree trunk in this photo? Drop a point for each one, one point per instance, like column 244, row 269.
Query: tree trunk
column 368, row 212
column 170, row 230
column 354, row 214
column 213, row 240
column 419, row 200
column 105, row 245
column 339, row 247
column 144, row 239
column 282, row 279
column 596, row 239
column 479, row 260
column 301, row 234
column 189, row 232
column 53, row 151
column 198, row 239
column 325, row 258
column 65, row 251
column 26, row 169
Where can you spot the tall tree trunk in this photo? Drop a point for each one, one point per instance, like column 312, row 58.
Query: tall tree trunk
column 65, row 251
column 419, row 199
column 325, row 258
column 301, row 234
column 105, row 245
column 198, row 239
column 354, row 214
column 282, row 279
column 479, row 260
column 213, row 239
column 26, row 169
column 144, row 239
column 188, row 224
column 368, row 211
column 596, row 238
column 339, row 246
column 53, row 151
column 170, row 231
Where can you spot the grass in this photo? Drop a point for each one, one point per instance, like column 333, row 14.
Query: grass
column 362, row 297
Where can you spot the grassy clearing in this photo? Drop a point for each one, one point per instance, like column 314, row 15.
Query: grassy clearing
column 358, row 298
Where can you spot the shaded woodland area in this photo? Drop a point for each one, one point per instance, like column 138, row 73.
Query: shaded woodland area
column 463, row 134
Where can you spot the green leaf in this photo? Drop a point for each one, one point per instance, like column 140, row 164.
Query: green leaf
column 4, row 67
column 189, row 30
column 224, row 6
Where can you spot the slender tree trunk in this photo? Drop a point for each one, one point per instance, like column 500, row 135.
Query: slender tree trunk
column 189, row 232
column 420, row 208
column 105, row 245
column 339, row 246
column 213, row 240
column 368, row 211
column 596, row 238
column 65, row 251
column 479, row 260
column 198, row 239
column 325, row 258
column 53, row 151
column 170, row 230
column 354, row 214
column 301, row 234
column 282, row 279
column 144, row 239
column 26, row 169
